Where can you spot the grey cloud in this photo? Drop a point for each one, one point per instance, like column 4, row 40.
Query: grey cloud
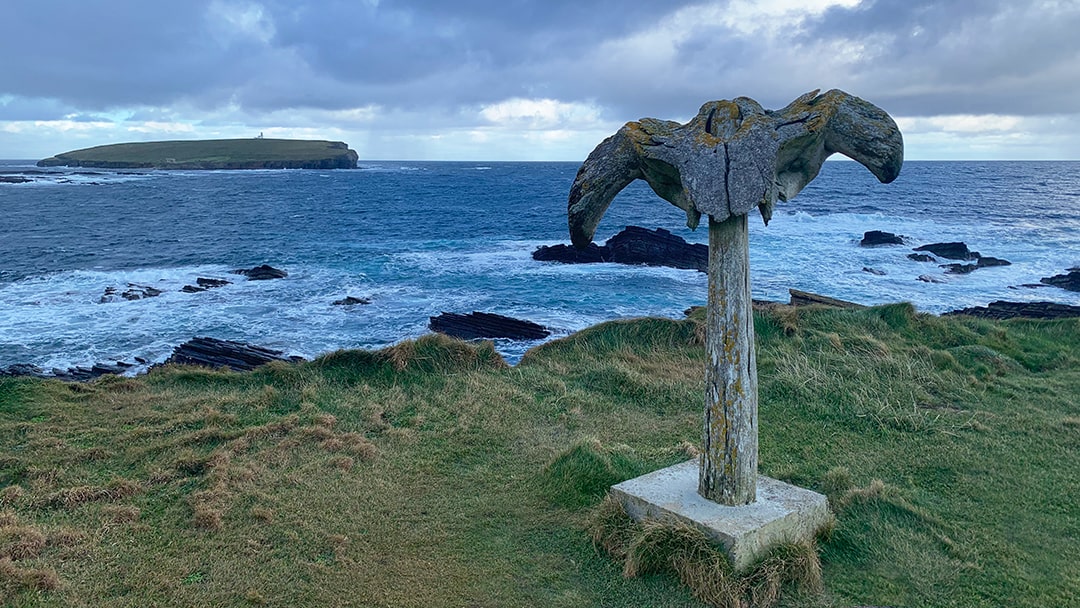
column 926, row 57
column 98, row 56
column 435, row 61
column 328, row 54
column 24, row 109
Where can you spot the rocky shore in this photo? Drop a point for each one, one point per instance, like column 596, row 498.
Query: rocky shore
column 634, row 245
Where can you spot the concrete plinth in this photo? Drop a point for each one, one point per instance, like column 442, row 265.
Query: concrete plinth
column 782, row 513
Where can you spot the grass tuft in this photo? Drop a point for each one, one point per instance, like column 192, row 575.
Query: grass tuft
column 11, row 495
column 673, row 547
column 20, row 542
column 14, row 579
column 70, row 498
column 581, row 476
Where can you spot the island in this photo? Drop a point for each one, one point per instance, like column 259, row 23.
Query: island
column 253, row 153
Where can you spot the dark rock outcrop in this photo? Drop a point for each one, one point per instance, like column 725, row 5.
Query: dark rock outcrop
column 876, row 238
column 204, row 284
column 658, row 247
column 957, row 251
column 952, row 251
column 237, row 356
column 133, row 292
column 84, row 374
column 568, row 254
column 22, row 369
column 929, row 278
column 873, row 271
column 958, row 268
column 486, row 325
column 350, row 301
column 14, row 179
column 1070, row 281
column 262, row 273
column 71, row 374
column 634, row 245
column 1001, row 309
column 985, row 261
column 805, row 298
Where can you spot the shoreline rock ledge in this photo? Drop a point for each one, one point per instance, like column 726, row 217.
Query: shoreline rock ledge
column 215, row 353
column 477, row 325
column 1001, row 309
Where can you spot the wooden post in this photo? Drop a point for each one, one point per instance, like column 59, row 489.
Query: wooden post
column 729, row 461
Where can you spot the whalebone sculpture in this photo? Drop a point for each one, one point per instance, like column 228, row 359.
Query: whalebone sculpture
column 733, row 156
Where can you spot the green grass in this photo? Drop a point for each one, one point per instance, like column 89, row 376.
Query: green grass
column 210, row 153
column 432, row 474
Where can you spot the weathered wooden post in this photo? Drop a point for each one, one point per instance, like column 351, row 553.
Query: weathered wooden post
column 733, row 156
column 728, row 472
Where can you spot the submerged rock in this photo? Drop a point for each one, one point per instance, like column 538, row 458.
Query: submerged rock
column 873, row 271
column 921, row 257
column 1001, row 309
column 350, row 301
column 204, row 284
column 262, row 273
column 958, row 268
column 986, row 261
column 486, row 325
column 133, row 292
column 634, row 245
column 876, row 238
column 929, row 278
column 952, row 251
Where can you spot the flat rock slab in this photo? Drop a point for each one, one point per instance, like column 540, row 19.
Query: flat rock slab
column 212, row 352
column 477, row 325
column 782, row 513
column 805, row 298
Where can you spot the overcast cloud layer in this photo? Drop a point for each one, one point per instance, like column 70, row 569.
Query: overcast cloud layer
column 528, row 79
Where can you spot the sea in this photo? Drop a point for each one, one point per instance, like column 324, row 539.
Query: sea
column 420, row 238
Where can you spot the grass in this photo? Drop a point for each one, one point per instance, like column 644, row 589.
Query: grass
column 432, row 474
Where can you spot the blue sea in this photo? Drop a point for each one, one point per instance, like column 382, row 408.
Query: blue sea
column 420, row 238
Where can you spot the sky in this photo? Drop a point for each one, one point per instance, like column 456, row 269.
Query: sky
column 528, row 79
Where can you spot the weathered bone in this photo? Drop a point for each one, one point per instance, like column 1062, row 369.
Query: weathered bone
column 733, row 156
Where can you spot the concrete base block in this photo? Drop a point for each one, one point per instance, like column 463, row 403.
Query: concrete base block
column 782, row 513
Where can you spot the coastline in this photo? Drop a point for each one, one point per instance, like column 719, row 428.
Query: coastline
column 214, row 353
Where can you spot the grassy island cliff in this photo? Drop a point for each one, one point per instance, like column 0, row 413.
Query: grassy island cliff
column 255, row 153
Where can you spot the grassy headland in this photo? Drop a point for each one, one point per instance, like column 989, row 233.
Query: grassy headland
column 255, row 153
column 431, row 474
